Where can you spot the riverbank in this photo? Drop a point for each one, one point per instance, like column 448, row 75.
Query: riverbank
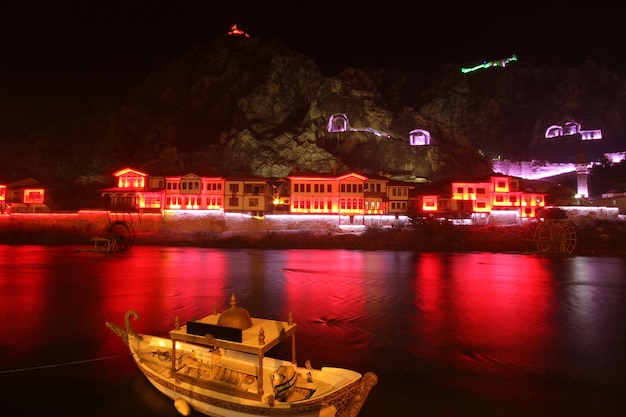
column 600, row 237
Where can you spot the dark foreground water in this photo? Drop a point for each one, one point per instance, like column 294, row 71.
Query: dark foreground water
column 475, row 334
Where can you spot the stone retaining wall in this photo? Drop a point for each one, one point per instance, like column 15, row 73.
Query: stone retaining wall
column 95, row 222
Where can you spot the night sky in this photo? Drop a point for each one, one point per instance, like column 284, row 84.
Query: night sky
column 60, row 58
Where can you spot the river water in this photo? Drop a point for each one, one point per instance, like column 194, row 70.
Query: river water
column 461, row 334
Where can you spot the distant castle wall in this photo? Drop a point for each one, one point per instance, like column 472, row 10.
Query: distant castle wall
column 531, row 170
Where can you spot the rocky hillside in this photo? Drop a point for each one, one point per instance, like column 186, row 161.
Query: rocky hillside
column 252, row 106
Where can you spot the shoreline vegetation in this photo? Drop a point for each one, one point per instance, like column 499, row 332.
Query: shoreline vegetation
column 599, row 237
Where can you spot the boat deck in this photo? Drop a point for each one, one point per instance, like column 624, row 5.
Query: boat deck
column 230, row 375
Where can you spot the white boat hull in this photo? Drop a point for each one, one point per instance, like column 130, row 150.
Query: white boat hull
column 224, row 383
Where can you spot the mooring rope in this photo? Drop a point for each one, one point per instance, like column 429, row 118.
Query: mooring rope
column 56, row 365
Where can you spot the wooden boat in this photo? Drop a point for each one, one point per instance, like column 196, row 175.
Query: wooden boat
column 217, row 366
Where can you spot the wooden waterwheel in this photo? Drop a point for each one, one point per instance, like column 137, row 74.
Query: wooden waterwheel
column 122, row 236
column 555, row 236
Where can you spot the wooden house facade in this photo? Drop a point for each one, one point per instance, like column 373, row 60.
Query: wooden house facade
column 24, row 196
column 350, row 194
column 194, row 192
column 501, row 193
column 134, row 191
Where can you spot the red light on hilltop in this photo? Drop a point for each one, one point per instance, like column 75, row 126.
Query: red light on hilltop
column 237, row 32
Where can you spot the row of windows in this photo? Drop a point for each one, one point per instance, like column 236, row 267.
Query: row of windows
column 260, row 188
column 352, row 188
column 255, row 189
column 513, row 199
column 501, row 185
column 317, row 188
column 398, row 205
column 399, row 192
column 233, row 188
column 344, row 204
column 351, row 203
column 347, row 204
column 131, row 182
column 470, row 190
column 192, row 201
column 373, row 188
column 193, row 185
column 315, row 204
column 345, row 188
column 234, row 202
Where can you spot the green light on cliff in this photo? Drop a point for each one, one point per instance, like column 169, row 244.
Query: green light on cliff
column 498, row 63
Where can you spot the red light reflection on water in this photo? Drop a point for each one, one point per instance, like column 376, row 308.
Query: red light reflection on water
column 184, row 283
column 321, row 291
column 22, row 301
column 327, row 300
column 501, row 308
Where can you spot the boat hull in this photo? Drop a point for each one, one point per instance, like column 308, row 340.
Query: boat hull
column 346, row 400
column 224, row 378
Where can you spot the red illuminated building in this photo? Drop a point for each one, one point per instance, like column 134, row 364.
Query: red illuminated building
column 25, row 196
column 349, row 194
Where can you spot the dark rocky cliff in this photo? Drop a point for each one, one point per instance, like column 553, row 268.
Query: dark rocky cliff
column 245, row 105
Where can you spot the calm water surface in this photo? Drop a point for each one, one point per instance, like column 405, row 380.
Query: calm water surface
column 472, row 334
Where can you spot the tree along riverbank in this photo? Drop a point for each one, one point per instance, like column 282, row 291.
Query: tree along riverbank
column 600, row 237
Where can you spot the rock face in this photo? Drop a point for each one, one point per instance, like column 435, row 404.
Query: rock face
column 243, row 105
column 238, row 105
